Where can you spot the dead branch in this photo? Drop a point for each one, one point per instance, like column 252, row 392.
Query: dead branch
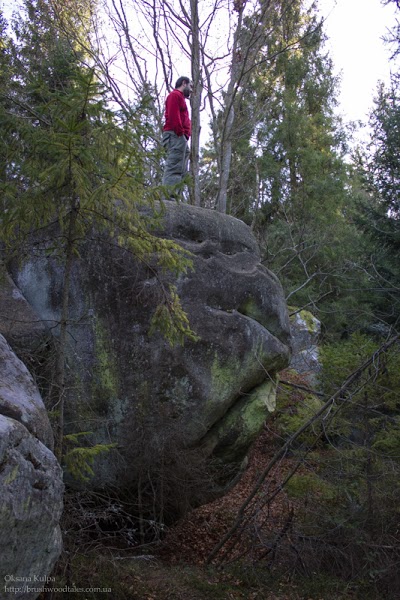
column 285, row 448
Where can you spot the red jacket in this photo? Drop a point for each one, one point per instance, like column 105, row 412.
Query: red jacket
column 177, row 115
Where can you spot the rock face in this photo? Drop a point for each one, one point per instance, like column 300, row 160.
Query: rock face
column 31, row 487
column 129, row 388
column 305, row 330
column 19, row 397
column 18, row 321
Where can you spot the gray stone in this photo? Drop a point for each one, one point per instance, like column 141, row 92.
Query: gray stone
column 30, row 509
column 18, row 320
column 305, row 330
column 19, row 396
column 216, row 392
column 31, row 487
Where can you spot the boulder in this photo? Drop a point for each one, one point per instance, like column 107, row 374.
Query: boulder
column 20, row 398
column 31, row 487
column 305, row 331
column 129, row 388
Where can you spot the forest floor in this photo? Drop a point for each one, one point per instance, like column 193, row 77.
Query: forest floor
column 250, row 566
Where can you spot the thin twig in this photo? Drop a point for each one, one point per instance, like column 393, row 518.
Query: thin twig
column 284, row 449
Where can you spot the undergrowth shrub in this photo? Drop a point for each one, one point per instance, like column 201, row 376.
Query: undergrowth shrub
column 346, row 495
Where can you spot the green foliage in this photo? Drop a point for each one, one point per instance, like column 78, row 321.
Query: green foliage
column 309, row 485
column 378, row 172
column 292, row 417
column 74, row 160
column 340, row 359
column 289, row 177
column 171, row 319
column 382, row 383
column 384, row 168
column 387, row 441
column 348, row 487
column 377, row 168
column 79, row 460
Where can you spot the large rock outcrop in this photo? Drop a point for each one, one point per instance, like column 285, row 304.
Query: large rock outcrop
column 31, row 488
column 130, row 388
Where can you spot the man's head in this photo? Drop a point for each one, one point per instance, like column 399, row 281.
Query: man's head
column 184, row 85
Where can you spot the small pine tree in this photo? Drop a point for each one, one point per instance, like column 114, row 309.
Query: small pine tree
column 347, row 511
column 79, row 166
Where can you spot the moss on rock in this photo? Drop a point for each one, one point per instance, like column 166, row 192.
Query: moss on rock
column 229, row 439
column 105, row 382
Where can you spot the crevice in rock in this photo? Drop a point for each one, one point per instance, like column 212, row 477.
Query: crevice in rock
column 40, row 485
column 11, row 412
column 36, row 463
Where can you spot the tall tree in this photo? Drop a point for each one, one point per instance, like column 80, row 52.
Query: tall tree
column 289, row 179
column 218, row 41
column 5, row 77
column 75, row 163
column 378, row 168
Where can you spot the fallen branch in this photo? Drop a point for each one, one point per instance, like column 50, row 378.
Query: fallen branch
column 285, row 448
column 301, row 387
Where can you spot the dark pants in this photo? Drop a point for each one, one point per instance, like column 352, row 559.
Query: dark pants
column 177, row 157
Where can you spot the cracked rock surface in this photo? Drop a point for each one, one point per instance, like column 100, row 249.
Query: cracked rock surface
column 31, row 487
column 19, row 396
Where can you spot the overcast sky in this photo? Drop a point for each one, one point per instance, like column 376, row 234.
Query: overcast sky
column 355, row 29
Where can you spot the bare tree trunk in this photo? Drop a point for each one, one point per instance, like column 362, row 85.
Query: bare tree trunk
column 225, row 161
column 62, row 342
column 195, row 195
column 225, row 148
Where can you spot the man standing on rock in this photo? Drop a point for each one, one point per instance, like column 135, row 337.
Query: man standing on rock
column 176, row 132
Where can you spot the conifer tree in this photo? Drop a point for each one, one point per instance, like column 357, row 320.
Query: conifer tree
column 289, row 179
column 377, row 185
column 78, row 165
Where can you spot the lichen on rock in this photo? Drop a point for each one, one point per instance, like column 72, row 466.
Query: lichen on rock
column 218, row 387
